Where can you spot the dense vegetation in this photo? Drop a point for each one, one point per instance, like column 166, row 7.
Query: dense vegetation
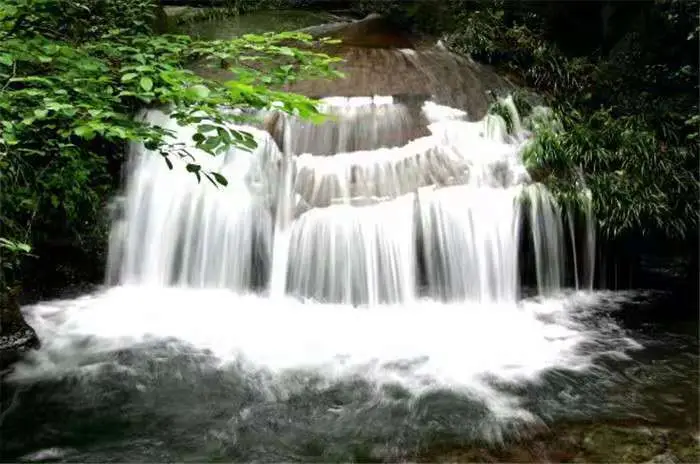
column 72, row 75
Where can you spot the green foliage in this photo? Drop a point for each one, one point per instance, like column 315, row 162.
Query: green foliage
column 11, row 255
column 627, row 116
column 638, row 184
column 73, row 20
column 71, row 82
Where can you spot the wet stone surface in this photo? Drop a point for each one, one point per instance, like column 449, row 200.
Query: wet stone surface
column 16, row 336
column 581, row 443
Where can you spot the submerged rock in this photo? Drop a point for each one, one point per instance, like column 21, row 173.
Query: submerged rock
column 16, row 336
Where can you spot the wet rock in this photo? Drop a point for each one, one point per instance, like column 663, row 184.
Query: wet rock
column 622, row 444
column 583, row 443
column 374, row 31
column 665, row 458
column 167, row 17
column 379, row 58
column 684, row 445
column 16, row 336
column 421, row 69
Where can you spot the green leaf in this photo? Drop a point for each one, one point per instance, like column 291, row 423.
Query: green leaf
column 129, row 77
column 206, row 128
column 286, row 51
column 193, row 167
column 85, row 132
column 6, row 59
column 211, row 143
column 220, row 179
column 146, row 83
column 197, row 92
column 41, row 113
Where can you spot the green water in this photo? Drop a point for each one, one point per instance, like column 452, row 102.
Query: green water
column 220, row 26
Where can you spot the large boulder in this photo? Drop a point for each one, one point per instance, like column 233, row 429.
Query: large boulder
column 16, row 336
column 374, row 31
column 381, row 59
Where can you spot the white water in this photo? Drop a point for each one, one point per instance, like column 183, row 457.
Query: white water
column 471, row 241
column 421, row 346
column 283, row 218
column 176, row 231
column 355, row 255
column 424, row 238
column 355, row 124
column 442, row 215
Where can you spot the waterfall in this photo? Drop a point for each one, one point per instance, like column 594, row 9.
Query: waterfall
column 398, row 255
column 283, row 219
column 388, row 201
column 174, row 231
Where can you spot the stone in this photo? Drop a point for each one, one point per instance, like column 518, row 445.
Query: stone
column 664, row 458
column 381, row 59
column 572, row 442
column 623, row 444
column 683, row 445
column 373, row 31
column 16, row 336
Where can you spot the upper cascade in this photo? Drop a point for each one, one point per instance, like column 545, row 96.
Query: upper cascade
column 382, row 204
column 381, row 58
column 415, row 75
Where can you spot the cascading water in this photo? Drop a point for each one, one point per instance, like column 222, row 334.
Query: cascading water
column 350, row 226
column 233, row 309
column 284, row 215
column 175, row 231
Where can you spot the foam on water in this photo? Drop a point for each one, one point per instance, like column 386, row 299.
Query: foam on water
column 422, row 346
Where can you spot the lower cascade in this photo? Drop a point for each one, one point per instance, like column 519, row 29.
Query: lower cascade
column 343, row 213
